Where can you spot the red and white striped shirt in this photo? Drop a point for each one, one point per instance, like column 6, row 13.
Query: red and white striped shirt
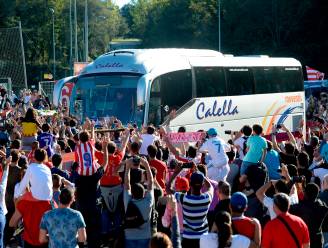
column 85, row 156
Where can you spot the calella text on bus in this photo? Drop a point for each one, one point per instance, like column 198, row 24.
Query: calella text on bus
column 227, row 108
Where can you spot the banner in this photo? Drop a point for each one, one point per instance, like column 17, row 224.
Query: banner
column 185, row 137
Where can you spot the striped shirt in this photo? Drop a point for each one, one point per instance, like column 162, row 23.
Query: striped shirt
column 194, row 208
column 85, row 156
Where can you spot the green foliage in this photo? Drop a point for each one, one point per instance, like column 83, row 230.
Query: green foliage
column 105, row 23
column 295, row 28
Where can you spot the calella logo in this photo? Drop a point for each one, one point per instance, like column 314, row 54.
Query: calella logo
column 205, row 111
column 109, row 65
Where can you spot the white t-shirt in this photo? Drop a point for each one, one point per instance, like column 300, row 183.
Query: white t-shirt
column 39, row 177
column 216, row 148
column 210, row 240
column 268, row 203
column 320, row 172
column 147, row 140
column 240, row 142
column 16, row 195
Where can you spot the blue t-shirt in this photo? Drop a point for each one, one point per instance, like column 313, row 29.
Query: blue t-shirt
column 324, row 152
column 46, row 139
column 255, row 145
column 272, row 162
column 62, row 225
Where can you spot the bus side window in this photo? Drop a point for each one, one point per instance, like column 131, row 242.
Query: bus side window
column 240, row 81
column 173, row 89
column 210, row 81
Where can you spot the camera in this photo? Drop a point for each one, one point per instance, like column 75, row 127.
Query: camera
column 230, row 132
column 278, row 126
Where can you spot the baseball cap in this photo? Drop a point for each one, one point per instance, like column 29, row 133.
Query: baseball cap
column 212, row 132
column 238, row 201
column 181, row 184
column 197, row 178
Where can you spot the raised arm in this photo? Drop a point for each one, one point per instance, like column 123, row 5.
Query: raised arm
column 150, row 179
column 290, row 135
column 274, row 139
column 260, row 193
column 128, row 165
column 125, row 140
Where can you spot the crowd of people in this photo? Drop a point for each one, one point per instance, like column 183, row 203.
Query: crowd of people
column 135, row 187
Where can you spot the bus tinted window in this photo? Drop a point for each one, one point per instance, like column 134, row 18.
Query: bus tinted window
column 277, row 79
column 239, row 81
column 168, row 91
column 210, row 81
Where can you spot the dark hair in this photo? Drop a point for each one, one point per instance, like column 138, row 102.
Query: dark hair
column 282, row 187
column 160, row 240
column 40, row 155
column 74, row 166
column 135, row 147
column 72, row 123
column 14, row 155
column 98, row 146
column 223, row 223
column 269, row 143
column 289, row 148
column 56, row 160
column 66, row 196
column 182, row 129
column 150, row 130
column 56, row 181
column 281, row 200
column 203, row 169
column 257, row 129
column 117, row 135
column 303, row 160
column 84, row 136
column 137, row 191
column 15, row 144
column 152, row 151
column 192, row 152
column 45, row 127
column 311, row 192
column 314, row 141
column 292, row 170
column 224, row 188
column 246, row 130
column 111, row 147
column 30, row 116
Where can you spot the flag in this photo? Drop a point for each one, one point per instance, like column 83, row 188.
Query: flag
column 313, row 74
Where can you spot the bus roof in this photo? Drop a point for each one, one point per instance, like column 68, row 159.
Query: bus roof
column 143, row 61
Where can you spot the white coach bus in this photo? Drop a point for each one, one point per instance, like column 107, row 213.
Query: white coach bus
column 207, row 88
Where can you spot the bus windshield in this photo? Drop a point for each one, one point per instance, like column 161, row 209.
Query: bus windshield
column 107, row 95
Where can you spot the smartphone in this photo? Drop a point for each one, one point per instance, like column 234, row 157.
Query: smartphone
column 278, row 126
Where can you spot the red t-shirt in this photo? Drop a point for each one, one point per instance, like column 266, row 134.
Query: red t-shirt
column 275, row 234
column 161, row 171
column 244, row 226
column 110, row 178
column 100, row 157
column 32, row 212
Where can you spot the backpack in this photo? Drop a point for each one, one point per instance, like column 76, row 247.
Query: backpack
column 245, row 145
column 133, row 217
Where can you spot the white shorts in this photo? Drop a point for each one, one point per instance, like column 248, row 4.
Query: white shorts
column 218, row 173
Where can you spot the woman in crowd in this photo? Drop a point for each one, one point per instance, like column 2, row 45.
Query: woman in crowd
column 221, row 235
column 30, row 127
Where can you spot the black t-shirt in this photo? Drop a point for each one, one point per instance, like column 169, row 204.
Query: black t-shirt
column 313, row 214
column 286, row 158
column 87, row 190
column 309, row 150
column 257, row 175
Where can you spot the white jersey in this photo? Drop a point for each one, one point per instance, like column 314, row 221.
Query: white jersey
column 216, row 148
column 147, row 140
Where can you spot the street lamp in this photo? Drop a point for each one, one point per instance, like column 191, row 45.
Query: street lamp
column 53, row 43
column 219, row 23
column 86, row 31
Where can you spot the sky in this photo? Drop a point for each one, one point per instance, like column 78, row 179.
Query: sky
column 121, row 2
